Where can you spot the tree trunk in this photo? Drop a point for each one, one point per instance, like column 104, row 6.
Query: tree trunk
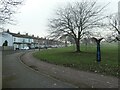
column 78, row 41
column 65, row 43
column 77, row 45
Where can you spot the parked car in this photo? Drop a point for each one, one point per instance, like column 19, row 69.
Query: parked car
column 25, row 48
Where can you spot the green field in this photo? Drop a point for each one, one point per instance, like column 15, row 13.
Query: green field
column 86, row 60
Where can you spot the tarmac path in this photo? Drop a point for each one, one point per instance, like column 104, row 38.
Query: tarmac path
column 16, row 75
column 79, row 78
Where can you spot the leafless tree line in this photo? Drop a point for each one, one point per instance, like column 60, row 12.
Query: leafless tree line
column 7, row 10
column 113, row 24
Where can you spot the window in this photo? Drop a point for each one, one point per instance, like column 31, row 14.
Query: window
column 29, row 40
column 14, row 39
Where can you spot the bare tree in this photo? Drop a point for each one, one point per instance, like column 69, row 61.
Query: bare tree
column 113, row 24
column 7, row 9
column 111, row 38
column 76, row 19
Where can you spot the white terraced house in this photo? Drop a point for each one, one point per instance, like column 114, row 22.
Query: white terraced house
column 18, row 41
column 6, row 37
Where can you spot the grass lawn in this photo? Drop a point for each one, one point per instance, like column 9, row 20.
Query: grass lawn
column 86, row 60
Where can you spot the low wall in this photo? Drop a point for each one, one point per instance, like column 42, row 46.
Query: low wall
column 0, row 48
column 1, row 70
column 6, row 48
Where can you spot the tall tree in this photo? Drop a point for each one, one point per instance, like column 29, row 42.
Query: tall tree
column 7, row 9
column 76, row 19
column 113, row 24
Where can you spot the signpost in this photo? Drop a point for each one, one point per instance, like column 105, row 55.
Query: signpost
column 98, row 49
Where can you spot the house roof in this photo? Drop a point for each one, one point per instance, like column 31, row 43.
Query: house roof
column 22, row 35
column 28, row 36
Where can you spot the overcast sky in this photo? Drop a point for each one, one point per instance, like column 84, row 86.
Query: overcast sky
column 34, row 15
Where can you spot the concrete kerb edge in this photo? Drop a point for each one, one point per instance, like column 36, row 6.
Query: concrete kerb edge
column 44, row 73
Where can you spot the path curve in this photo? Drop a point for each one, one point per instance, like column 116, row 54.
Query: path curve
column 76, row 77
column 17, row 75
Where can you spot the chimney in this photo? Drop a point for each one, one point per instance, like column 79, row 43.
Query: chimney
column 26, row 34
column 8, row 30
column 37, row 36
column 18, row 32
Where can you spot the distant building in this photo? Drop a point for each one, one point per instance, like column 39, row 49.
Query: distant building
column 6, row 37
column 24, row 41
column 17, row 41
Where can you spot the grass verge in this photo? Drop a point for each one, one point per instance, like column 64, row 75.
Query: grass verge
column 86, row 60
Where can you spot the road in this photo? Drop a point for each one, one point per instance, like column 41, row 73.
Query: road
column 17, row 75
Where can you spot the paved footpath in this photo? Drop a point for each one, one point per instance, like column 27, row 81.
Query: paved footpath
column 80, row 78
column 18, row 75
